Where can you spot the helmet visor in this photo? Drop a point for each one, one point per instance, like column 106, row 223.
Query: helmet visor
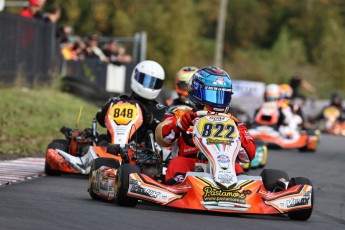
column 217, row 96
column 182, row 86
column 148, row 81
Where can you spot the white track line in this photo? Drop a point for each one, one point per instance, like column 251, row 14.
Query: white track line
column 20, row 169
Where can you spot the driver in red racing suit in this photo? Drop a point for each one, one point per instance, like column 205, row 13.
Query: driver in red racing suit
column 209, row 89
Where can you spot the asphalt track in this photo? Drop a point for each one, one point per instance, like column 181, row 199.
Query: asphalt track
column 63, row 202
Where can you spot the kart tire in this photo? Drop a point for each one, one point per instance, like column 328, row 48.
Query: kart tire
column 264, row 158
column 271, row 176
column 122, row 184
column 61, row 144
column 105, row 161
column 96, row 164
column 303, row 214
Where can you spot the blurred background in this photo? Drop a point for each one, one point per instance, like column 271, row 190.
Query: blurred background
column 264, row 40
column 90, row 47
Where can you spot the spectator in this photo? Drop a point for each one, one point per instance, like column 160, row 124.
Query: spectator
column 79, row 49
column 67, row 49
column 296, row 82
column 53, row 14
column 63, row 32
column 111, row 51
column 122, row 56
column 33, row 9
column 93, row 50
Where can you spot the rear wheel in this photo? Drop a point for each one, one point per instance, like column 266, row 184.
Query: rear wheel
column 270, row 178
column 303, row 214
column 264, row 157
column 60, row 144
column 122, row 185
column 96, row 164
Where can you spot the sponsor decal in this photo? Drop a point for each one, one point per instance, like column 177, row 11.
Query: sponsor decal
column 104, row 185
column 226, row 178
column 196, row 85
column 216, row 194
column 219, row 81
column 144, row 191
column 218, row 88
column 294, row 202
column 210, row 141
column 223, row 158
column 217, row 118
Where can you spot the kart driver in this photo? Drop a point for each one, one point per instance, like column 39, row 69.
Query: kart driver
column 271, row 97
column 336, row 100
column 174, row 126
column 146, row 83
column 285, row 118
column 181, row 84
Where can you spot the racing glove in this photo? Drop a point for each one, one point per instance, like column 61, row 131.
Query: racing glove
column 186, row 120
column 247, row 143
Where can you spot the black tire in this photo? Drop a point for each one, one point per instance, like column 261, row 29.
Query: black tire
column 303, row 214
column 122, row 184
column 96, row 164
column 105, row 161
column 61, row 144
column 271, row 176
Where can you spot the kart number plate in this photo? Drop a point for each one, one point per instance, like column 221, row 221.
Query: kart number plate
column 217, row 129
column 123, row 113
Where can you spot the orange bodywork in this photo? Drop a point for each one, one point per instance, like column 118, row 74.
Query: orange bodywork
column 199, row 193
column 299, row 143
column 58, row 162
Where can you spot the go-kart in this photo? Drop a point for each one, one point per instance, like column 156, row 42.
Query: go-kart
column 333, row 122
column 76, row 153
column 304, row 140
column 213, row 185
column 264, row 129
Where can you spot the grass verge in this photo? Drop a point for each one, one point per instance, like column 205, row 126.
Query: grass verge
column 30, row 119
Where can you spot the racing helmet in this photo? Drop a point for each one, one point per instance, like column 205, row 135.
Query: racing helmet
column 272, row 93
column 147, row 79
column 181, row 81
column 210, row 88
column 336, row 99
column 285, row 91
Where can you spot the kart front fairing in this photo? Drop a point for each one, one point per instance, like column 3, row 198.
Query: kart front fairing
column 271, row 136
column 199, row 192
column 65, row 162
column 218, row 188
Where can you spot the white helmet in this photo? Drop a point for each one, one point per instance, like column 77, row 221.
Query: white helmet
column 272, row 92
column 147, row 79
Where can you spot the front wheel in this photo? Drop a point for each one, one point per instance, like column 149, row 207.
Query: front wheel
column 303, row 214
column 270, row 178
column 122, row 185
column 96, row 164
